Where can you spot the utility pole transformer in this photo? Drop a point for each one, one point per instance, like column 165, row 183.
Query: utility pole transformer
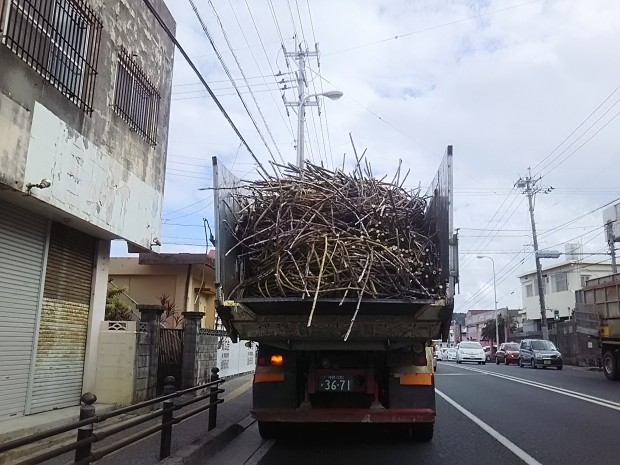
column 530, row 188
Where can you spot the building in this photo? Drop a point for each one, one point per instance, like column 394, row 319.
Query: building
column 84, row 106
column 475, row 320
column 185, row 279
column 560, row 283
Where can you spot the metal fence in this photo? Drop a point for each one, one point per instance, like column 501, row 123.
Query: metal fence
column 136, row 99
column 59, row 39
column 87, row 437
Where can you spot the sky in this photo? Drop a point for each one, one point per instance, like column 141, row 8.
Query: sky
column 510, row 84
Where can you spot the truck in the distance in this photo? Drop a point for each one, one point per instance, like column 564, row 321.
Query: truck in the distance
column 381, row 373
column 602, row 296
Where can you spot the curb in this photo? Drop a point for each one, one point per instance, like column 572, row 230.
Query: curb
column 197, row 454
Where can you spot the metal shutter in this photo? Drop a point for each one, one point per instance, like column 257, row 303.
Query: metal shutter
column 64, row 320
column 22, row 254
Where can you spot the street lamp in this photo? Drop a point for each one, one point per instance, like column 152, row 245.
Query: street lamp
column 301, row 119
column 495, row 299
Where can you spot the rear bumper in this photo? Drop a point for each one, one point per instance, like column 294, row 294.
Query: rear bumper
column 548, row 363
column 345, row 415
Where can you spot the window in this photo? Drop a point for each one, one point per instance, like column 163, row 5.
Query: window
column 136, row 100
column 561, row 281
column 529, row 290
column 60, row 40
column 584, row 278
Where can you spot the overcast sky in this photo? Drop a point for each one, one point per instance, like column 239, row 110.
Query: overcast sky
column 505, row 82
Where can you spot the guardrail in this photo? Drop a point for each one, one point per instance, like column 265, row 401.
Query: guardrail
column 86, row 436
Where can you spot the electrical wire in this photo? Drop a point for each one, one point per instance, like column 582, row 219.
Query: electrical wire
column 223, row 63
column 174, row 40
column 260, row 111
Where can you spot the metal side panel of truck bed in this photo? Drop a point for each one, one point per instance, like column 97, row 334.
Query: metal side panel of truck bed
column 385, row 321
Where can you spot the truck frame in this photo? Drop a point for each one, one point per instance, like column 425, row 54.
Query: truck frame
column 383, row 373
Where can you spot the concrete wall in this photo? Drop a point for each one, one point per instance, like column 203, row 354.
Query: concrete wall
column 236, row 358
column 116, row 363
column 104, row 175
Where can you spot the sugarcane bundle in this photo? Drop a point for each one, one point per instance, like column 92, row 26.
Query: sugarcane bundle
column 316, row 233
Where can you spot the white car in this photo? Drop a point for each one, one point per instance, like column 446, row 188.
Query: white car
column 451, row 354
column 470, row 352
column 439, row 354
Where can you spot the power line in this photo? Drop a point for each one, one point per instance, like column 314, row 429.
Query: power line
column 260, row 39
column 208, row 34
column 431, row 28
column 275, row 21
column 174, row 40
column 260, row 111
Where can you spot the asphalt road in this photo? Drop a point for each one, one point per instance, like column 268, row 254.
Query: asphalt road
column 485, row 415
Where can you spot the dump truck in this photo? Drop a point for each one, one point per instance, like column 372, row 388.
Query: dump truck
column 309, row 373
column 601, row 296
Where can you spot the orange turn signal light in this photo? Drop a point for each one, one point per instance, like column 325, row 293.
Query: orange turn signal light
column 277, row 360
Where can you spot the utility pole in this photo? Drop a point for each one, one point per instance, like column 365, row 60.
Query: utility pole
column 612, row 245
column 530, row 188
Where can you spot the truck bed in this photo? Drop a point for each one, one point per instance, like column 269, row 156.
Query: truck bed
column 384, row 321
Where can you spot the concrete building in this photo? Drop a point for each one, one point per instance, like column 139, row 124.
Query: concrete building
column 475, row 320
column 186, row 279
column 84, row 106
column 560, row 283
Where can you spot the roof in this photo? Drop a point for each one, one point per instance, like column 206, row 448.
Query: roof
column 176, row 259
column 581, row 263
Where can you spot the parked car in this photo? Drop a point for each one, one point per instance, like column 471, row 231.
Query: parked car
column 489, row 354
column 439, row 354
column 539, row 353
column 451, row 354
column 470, row 352
column 508, row 353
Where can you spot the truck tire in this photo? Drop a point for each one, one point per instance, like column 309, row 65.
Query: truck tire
column 423, row 432
column 269, row 429
column 610, row 366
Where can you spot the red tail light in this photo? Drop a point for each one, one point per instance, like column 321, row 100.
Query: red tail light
column 262, row 361
column 420, row 360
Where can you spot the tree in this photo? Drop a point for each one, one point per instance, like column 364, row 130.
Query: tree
column 488, row 330
column 170, row 311
column 115, row 308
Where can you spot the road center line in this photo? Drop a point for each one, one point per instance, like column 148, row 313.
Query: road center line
column 503, row 440
column 558, row 390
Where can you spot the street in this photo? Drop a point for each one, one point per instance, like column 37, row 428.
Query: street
column 485, row 415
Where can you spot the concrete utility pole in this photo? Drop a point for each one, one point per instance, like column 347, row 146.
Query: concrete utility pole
column 611, row 241
column 530, row 188
column 300, row 55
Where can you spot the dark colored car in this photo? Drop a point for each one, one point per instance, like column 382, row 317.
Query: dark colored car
column 539, row 353
column 508, row 353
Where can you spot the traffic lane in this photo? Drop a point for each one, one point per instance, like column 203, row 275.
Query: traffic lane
column 456, row 440
column 551, row 427
column 576, row 379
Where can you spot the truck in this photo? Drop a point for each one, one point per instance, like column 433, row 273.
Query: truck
column 382, row 373
column 601, row 296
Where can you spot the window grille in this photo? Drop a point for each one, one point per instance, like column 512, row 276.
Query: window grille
column 136, row 99
column 59, row 39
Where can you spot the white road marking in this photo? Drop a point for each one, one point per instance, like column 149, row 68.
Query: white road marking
column 456, row 374
column 547, row 387
column 260, row 453
column 503, row 440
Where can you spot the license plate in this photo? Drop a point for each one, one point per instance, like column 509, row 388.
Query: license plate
column 336, row 383
column 547, row 362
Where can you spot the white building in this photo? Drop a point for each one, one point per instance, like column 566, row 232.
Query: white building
column 560, row 283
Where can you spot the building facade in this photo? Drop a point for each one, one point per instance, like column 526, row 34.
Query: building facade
column 560, row 283
column 475, row 320
column 186, row 280
column 84, row 105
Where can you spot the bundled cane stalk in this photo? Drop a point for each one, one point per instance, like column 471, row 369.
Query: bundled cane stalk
column 315, row 233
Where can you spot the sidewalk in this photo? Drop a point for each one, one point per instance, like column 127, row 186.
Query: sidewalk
column 236, row 406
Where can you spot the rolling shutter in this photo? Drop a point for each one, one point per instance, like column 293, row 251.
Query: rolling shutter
column 64, row 320
column 22, row 252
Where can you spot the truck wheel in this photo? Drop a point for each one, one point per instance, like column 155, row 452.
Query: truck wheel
column 423, row 432
column 610, row 366
column 269, row 429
